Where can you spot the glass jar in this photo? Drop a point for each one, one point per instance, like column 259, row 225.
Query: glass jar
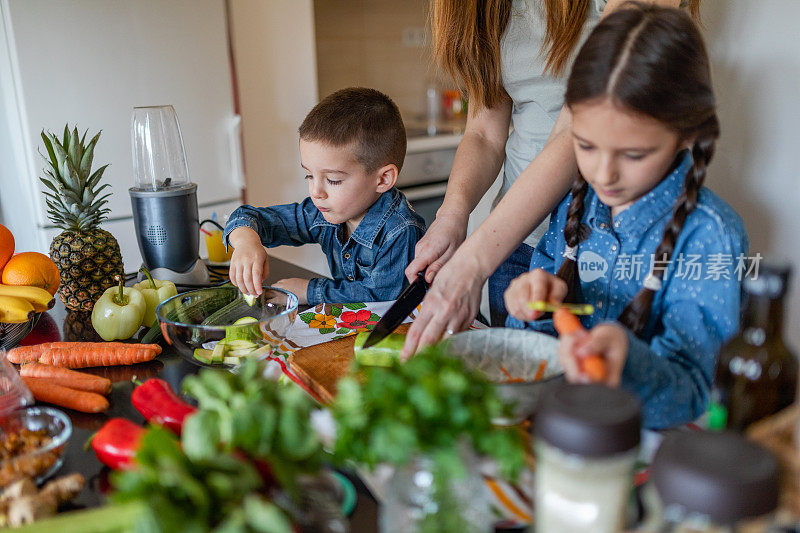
column 587, row 439
column 707, row 481
column 418, row 500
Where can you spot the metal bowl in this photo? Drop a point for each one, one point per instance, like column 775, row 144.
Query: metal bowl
column 182, row 318
column 12, row 334
column 504, row 353
column 41, row 463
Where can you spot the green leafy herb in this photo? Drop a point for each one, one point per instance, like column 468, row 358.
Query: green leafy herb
column 223, row 493
column 429, row 406
column 265, row 420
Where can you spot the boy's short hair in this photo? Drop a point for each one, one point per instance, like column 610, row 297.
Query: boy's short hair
column 363, row 116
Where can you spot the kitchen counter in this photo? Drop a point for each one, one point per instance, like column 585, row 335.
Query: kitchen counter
column 172, row 368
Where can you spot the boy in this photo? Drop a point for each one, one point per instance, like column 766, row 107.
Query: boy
column 352, row 146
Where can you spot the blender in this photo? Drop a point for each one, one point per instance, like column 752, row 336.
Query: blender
column 163, row 199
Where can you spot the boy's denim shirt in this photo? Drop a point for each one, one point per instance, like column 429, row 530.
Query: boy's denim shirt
column 368, row 267
column 671, row 367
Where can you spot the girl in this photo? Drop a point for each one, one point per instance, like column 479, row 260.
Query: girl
column 639, row 236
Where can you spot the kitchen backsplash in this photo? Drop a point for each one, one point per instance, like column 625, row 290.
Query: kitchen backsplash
column 384, row 44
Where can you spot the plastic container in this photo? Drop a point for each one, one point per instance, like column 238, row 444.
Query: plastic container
column 586, row 443
column 13, row 392
column 714, row 482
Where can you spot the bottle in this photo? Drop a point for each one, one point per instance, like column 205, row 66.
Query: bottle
column 756, row 372
column 714, row 482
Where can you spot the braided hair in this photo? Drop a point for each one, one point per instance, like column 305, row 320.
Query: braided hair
column 651, row 60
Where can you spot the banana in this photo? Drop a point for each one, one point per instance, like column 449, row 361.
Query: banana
column 15, row 309
column 39, row 298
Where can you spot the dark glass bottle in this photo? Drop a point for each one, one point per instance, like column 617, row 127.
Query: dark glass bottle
column 756, row 372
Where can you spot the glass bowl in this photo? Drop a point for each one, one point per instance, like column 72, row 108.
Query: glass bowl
column 40, row 463
column 512, row 358
column 195, row 322
column 12, row 334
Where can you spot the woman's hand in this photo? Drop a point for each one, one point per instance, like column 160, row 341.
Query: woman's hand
column 450, row 305
column 438, row 245
column 536, row 285
column 249, row 262
column 609, row 341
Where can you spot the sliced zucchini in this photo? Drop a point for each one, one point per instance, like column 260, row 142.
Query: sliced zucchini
column 201, row 354
column 231, row 360
column 219, row 351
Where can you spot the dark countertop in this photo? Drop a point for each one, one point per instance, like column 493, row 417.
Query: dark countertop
column 169, row 366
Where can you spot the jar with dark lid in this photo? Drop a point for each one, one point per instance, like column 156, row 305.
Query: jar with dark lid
column 586, row 441
column 709, row 481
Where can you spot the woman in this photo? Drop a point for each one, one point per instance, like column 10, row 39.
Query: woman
column 511, row 57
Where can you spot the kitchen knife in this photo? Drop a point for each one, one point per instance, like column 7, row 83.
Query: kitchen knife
column 410, row 298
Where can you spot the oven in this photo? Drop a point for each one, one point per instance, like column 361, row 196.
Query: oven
column 424, row 176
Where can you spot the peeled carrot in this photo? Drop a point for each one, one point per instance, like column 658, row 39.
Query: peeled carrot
column 84, row 354
column 594, row 366
column 46, row 391
column 99, row 354
column 540, row 371
column 67, row 378
column 25, row 354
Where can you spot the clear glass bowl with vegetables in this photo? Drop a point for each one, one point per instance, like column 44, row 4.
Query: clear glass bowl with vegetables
column 218, row 326
column 32, row 441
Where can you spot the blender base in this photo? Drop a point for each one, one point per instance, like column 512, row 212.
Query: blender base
column 197, row 275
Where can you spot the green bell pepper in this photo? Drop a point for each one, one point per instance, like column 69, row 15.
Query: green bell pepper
column 118, row 313
column 154, row 291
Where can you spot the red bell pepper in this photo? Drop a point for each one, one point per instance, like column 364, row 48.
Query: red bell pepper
column 115, row 444
column 159, row 404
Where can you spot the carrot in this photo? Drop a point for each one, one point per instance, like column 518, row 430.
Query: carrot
column 594, row 366
column 540, row 371
column 511, row 379
column 565, row 322
column 88, row 354
column 46, row 391
column 84, row 354
column 66, row 377
column 25, row 354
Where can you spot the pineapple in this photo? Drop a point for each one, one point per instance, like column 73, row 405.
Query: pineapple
column 78, row 327
column 88, row 258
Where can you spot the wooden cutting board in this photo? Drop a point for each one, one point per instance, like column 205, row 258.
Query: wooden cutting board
column 321, row 366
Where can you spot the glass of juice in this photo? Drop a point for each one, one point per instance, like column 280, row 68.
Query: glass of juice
column 216, row 248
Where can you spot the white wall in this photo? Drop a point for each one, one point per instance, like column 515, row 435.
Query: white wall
column 755, row 54
column 273, row 43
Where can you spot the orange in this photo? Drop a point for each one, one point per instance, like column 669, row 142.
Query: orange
column 6, row 246
column 32, row 268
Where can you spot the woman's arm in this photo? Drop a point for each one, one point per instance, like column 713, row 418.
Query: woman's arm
column 478, row 160
column 452, row 301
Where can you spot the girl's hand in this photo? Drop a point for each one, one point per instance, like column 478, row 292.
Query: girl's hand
column 530, row 287
column 438, row 245
column 450, row 305
column 609, row 341
column 249, row 262
column 297, row 286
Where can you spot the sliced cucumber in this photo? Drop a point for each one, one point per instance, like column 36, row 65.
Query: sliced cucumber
column 231, row 360
column 250, row 299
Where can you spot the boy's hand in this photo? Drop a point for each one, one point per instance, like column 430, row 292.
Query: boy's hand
column 297, row 286
column 249, row 262
column 606, row 340
column 531, row 287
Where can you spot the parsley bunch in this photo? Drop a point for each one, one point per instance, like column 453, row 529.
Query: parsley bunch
column 430, row 405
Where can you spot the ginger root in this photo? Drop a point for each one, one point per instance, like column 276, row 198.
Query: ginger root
column 22, row 504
